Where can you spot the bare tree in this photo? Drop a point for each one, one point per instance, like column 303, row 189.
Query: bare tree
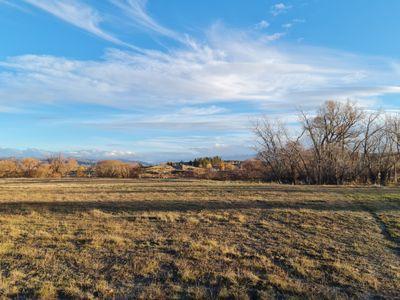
column 279, row 151
column 339, row 143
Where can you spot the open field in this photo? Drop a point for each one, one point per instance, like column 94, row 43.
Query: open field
column 197, row 239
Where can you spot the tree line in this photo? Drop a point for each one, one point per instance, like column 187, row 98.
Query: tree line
column 338, row 143
column 57, row 167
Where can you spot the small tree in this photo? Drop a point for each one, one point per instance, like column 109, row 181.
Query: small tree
column 9, row 169
column 116, row 169
column 29, row 166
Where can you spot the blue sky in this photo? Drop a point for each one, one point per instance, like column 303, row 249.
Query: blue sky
column 175, row 79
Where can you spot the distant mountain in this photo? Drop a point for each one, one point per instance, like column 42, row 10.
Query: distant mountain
column 32, row 152
column 86, row 157
column 90, row 156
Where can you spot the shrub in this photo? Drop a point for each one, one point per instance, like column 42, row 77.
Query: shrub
column 43, row 171
column 116, row 169
column 9, row 168
column 29, row 167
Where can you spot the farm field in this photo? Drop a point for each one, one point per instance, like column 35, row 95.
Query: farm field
column 154, row 239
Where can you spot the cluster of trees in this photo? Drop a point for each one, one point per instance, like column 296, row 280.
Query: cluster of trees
column 207, row 162
column 340, row 143
column 34, row 168
column 57, row 167
column 215, row 162
column 252, row 169
column 256, row 173
column 117, row 169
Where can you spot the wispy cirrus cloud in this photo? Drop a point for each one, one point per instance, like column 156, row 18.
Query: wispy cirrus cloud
column 201, row 111
column 137, row 13
column 186, row 89
column 12, row 4
column 228, row 68
column 184, row 120
column 79, row 14
column 84, row 16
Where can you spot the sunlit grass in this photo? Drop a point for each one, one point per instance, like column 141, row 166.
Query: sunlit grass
column 197, row 239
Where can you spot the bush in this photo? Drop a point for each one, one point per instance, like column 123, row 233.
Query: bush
column 116, row 169
column 9, row 169
column 43, row 171
column 29, row 167
column 252, row 169
column 61, row 167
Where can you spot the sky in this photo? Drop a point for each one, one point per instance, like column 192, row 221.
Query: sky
column 162, row 80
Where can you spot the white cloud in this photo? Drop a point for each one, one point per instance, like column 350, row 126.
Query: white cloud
column 80, row 15
column 279, row 8
column 14, row 5
column 136, row 11
column 228, row 68
column 84, row 16
column 298, row 20
column 10, row 109
column 180, row 121
column 272, row 37
column 75, row 13
column 262, row 25
column 178, row 88
column 79, row 153
column 292, row 23
column 234, row 146
column 201, row 111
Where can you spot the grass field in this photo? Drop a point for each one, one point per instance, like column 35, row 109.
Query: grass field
column 197, row 239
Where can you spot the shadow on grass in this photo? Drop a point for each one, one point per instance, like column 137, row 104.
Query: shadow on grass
column 67, row 207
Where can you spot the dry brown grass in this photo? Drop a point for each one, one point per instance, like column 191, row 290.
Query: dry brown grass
column 197, row 239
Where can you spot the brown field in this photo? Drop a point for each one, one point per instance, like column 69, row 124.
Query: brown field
column 197, row 239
